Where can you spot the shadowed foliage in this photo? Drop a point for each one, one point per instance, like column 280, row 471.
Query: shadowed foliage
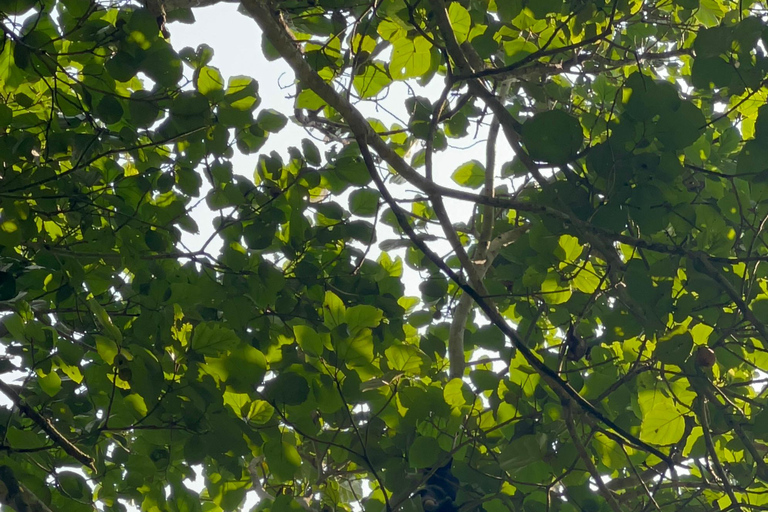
column 572, row 317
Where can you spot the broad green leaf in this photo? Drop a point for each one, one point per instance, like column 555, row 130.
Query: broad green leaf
column 246, row 367
column 674, row 348
column 260, row 412
column 73, row 485
column 553, row 137
column 554, row 290
column 373, row 79
column 308, row 339
column 470, row 174
column 662, row 424
column 50, row 383
column 210, row 82
column 362, row 316
column 587, row 280
column 571, row 247
column 356, row 351
column 213, row 339
column 334, row 311
column 288, row 389
column 283, row 459
column 109, row 109
column 424, row 452
column 364, row 202
column 460, row 21
column 405, row 358
column 410, row 58
column 681, row 127
column 106, row 348
column 271, row 120
column 454, row 393
column 752, row 158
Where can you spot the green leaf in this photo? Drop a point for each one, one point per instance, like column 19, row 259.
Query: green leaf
column 361, row 317
column 106, row 348
column 334, row 311
column 553, row 137
column 674, row 348
column 680, row 128
column 260, row 412
column 6, row 116
column 460, row 21
column 364, row 202
column 155, row 241
column 454, row 393
column 190, row 110
column 356, row 351
column 246, row 366
column 373, row 79
column 283, row 459
column 710, row 72
column 271, row 120
column 554, row 291
column 543, row 8
column 520, row 453
column 288, row 389
column 143, row 109
column 73, row 485
column 109, row 110
column 406, row 358
column 163, row 65
column 212, row 339
column 24, row 439
column 662, row 424
column 50, row 383
column 210, row 82
column 711, row 42
column 470, row 174
column 308, row 339
column 424, row 452
column 753, row 157
column 410, row 58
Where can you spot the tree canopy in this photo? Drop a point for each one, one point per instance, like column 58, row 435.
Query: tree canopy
column 589, row 337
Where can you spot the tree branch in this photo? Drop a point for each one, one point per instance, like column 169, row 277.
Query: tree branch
column 483, row 256
column 587, row 460
column 719, row 470
column 47, row 427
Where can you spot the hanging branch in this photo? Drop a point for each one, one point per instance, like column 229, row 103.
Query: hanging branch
column 47, row 427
